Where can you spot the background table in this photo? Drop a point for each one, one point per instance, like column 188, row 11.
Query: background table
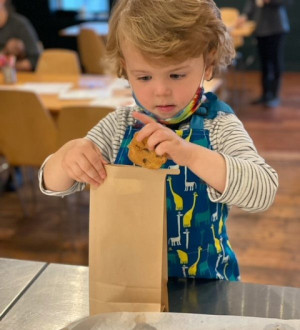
column 101, row 28
column 83, row 81
column 59, row 296
column 53, row 102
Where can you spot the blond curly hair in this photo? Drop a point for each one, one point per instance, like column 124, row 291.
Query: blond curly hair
column 171, row 31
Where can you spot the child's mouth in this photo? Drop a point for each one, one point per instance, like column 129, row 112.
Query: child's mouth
column 166, row 108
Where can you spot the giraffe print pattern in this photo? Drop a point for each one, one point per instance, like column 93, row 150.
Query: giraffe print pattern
column 198, row 244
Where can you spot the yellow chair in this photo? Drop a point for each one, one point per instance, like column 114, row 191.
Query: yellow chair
column 229, row 16
column 74, row 122
column 92, row 51
column 58, row 61
column 27, row 131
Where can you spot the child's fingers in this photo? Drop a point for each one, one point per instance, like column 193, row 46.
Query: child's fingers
column 92, row 167
column 157, row 137
column 97, row 162
column 143, row 118
column 100, row 168
column 150, row 125
column 147, row 131
column 78, row 174
column 104, row 161
column 163, row 149
column 88, row 173
column 95, row 159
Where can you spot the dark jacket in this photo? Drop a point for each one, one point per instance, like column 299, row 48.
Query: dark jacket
column 270, row 19
column 18, row 26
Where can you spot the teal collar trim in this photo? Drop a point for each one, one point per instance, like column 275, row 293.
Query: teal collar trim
column 210, row 108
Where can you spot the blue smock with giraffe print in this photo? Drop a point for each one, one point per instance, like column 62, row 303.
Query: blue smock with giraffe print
column 198, row 244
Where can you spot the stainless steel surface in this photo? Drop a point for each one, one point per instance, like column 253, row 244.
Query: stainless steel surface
column 233, row 298
column 15, row 276
column 179, row 321
column 58, row 297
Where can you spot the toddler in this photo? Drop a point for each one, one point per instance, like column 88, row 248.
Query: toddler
column 166, row 49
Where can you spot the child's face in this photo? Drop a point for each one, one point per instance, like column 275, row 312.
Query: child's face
column 163, row 89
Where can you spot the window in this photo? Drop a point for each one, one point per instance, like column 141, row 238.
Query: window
column 95, row 7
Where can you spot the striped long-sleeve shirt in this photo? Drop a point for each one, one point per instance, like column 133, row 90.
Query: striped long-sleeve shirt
column 250, row 182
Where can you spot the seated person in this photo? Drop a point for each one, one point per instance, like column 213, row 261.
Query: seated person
column 18, row 37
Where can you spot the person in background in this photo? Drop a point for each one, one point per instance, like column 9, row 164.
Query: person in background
column 166, row 49
column 272, row 24
column 18, row 38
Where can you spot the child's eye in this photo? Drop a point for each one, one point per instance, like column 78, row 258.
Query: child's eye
column 145, row 78
column 177, row 76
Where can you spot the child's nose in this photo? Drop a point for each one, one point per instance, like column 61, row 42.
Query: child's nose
column 162, row 89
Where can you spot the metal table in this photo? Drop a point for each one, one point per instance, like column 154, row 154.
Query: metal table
column 16, row 276
column 233, row 298
column 58, row 295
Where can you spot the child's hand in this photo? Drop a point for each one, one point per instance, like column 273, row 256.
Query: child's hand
column 163, row 140
column 83, row 162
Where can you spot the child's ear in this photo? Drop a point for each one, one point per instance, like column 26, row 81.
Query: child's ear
column 123, row 63
column 209, row 72
column 123, row 67
column 210, row 65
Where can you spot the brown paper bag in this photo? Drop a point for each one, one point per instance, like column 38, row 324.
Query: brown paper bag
column 128, row 243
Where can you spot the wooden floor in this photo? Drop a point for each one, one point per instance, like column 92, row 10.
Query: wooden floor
column 267, row 244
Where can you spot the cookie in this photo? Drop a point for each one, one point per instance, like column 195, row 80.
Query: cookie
column 140, row 155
